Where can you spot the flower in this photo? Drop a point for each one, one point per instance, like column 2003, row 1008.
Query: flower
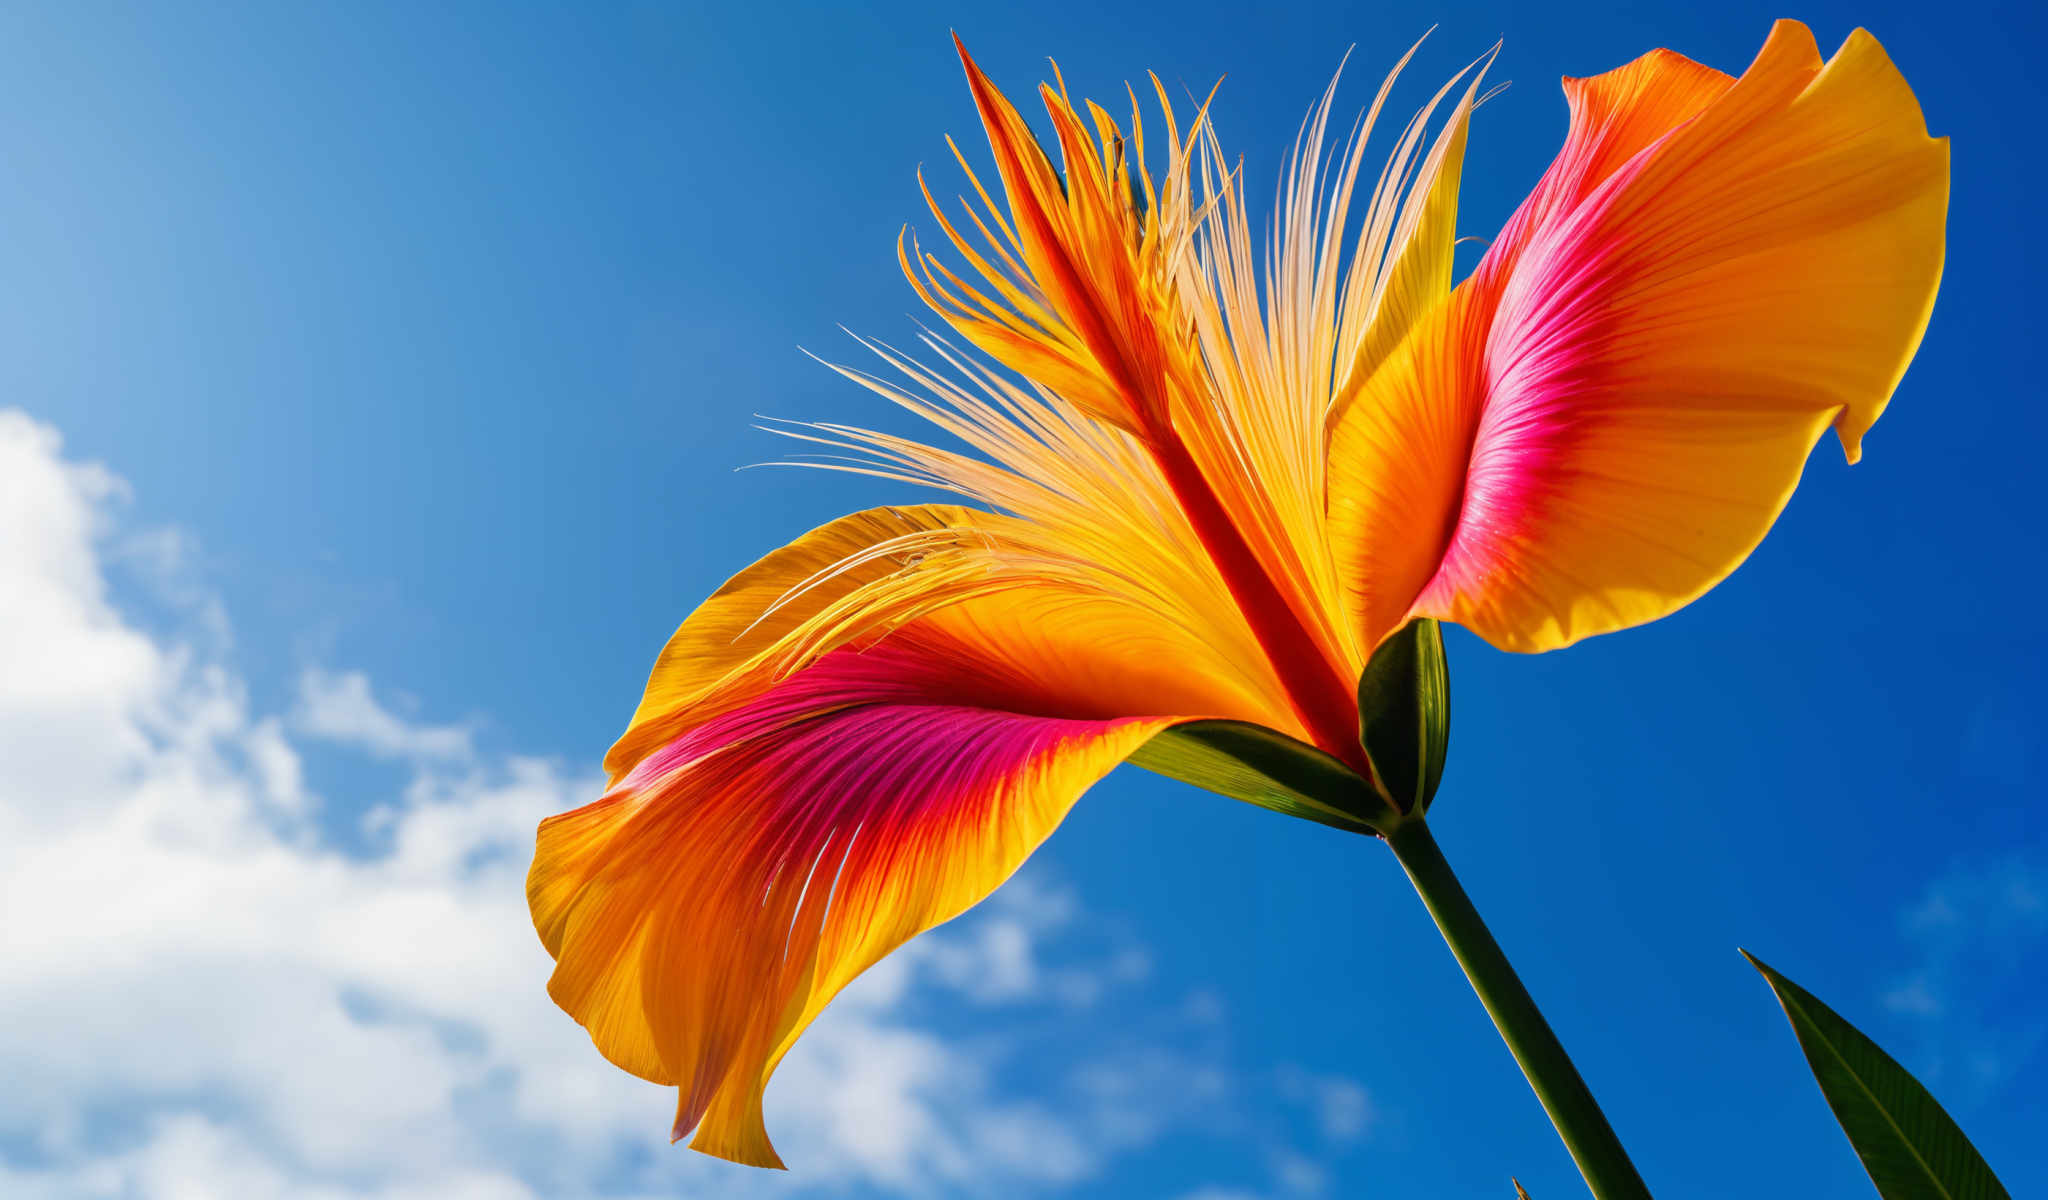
column 1201, row 495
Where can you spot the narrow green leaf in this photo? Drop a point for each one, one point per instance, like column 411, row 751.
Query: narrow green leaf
column 1404, row 715
column 1909, row 1144
column 1254, row 764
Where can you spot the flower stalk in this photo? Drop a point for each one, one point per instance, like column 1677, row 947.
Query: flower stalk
column 1550, row 1072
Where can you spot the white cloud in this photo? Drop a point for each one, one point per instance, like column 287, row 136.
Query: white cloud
column 1913, row 997
column 338, row 707
column 1299, row 1175
column 207, row 996
column 1342, row 1108
column 1979, row 940
column 997, row 959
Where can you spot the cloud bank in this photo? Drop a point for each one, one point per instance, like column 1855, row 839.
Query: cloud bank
column 210, row 994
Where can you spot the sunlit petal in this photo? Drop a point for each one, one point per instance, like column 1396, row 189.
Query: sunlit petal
column 1076, row 284
column 1287, row 330
column 1604, row 420
column 706, row 908
column 764, row 608
column 854, row 739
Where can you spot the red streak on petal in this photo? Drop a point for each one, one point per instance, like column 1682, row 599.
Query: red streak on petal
column 1324, row 699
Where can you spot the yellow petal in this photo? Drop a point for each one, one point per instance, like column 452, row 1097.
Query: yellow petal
column 1419, row 277
column 853, row 580
column 757, row 610
column 1397, row 466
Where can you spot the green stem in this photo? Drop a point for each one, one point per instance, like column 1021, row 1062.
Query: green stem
column 1549, row 1070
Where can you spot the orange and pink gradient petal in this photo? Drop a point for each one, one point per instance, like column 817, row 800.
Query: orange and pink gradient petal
column 1607, row 417
column 707, row 907
column 819, row 771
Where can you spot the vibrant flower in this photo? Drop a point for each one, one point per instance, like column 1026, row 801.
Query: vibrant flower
column 1206, row 493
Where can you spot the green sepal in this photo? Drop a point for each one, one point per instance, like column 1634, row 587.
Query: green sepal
column 1404, row 715
column 1908, row 1143
column 1254, row 764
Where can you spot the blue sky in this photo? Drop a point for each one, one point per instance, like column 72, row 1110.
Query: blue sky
column 419, row 349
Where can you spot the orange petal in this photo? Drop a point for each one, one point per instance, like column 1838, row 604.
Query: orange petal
column 705, row 910
column 755, row 611
column 1080, row 276
column 1614, row 117
column 853, row 580
column 1604, row 421
column 853, row 740
column 1398, row 456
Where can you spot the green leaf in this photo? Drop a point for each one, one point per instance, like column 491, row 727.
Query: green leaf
column 1910, row 1146
column 1252, row 763
column 1404, row 715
